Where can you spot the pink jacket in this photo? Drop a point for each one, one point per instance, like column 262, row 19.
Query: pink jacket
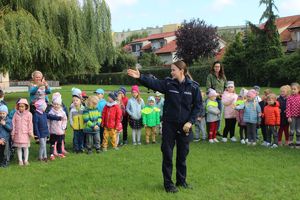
column 228, row 100
column 58, row 127
column 22, row 127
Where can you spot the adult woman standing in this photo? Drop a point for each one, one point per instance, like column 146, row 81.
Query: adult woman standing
column 216, row 80
column 183, row 102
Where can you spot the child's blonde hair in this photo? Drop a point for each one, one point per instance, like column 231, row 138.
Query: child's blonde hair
column 36, row 72
column 271, row 96
column 287, row 88
column 92, row 100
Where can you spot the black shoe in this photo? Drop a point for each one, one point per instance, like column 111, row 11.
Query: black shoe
column 171, row 189
column 184, row 185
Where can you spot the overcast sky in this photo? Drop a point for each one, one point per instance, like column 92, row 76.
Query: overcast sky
column 137, row 14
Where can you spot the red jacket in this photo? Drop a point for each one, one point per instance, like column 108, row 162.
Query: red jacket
column 272, row 115
column 111, row 116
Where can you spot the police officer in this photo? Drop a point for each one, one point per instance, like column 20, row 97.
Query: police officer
column 182, row 103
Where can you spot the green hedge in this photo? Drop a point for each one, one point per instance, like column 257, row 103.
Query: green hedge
column 199, row 74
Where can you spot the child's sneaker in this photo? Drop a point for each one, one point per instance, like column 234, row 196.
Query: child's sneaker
column 211, row 141
column 253, row 143
column 26, row 163
column 243, row 141
column 274, row 146
column 52, row 157
column 116, row 148
column 264, row 144
column 246, row 140
column 233, row 139
column 98, row 151
column 61, row 155
column 297, row 146
column 139, row 143
column 21, row 163
column 134, row 143
column 286, row 143
column 104, row 149
column 216, row 140
column 197, row 140
column 224, row 139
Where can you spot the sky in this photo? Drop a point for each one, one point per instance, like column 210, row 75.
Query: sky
column 137, row 14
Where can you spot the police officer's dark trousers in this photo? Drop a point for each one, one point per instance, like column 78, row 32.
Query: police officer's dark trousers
column 172, row 133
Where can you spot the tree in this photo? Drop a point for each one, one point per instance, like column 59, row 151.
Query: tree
column 196, row 40
column 58, row 37
column 149, row 59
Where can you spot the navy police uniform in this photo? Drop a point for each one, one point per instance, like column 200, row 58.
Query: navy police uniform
column 183, row 102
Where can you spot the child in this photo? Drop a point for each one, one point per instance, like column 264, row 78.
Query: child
column 5, row 130
column 92, row 121
column 57, row 128
column 160, row 101
column 119, row 100
column 271, row 115
column 200, row 124
column 22, row 130
column 100, row 106
column 257, row 97
column 252, row 113
column 84, row 97
column 111, row 120
column 284, row 124
column 122, row 92
column 76, row 122
column 212, row 115
column 262, row 105
column 41, row 127
column 134, row 107
column 293, row 114
column 229, row 98
column 240, row 115
column 2, row 102
column 151, row 118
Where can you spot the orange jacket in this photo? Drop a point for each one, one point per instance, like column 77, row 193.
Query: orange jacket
column 272, row 115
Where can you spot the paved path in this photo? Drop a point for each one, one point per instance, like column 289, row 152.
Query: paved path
column 23, row 89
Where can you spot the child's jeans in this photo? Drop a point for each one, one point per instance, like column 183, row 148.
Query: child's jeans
column 271, row 130
column 251, row 131
column 43, row 148
column 284, row 129
column 243, row 132
column 295, row 129
column 213, row 127
column 200, row 126
column 78, row 140
column 93, row 138
column 112, row 133
column 150, row 131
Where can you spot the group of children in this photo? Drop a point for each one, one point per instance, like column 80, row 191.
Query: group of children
column 272, row 114
column 95, row 121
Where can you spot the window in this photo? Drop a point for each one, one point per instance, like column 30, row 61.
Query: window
column 298, row 36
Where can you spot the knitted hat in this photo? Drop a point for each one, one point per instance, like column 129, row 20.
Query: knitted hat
column 151, row 98
column 84, row 95
column 230, row 84
column 40, row 105
column 251, row 93
column 256, row 88
column 243, row 92
column 76, row 92
column 112, row 95
column 123, row 90
column 56, row 98
column 212, row 93
column 135, row 88
column 3, row 108
column 158, row 94
column 99, row 91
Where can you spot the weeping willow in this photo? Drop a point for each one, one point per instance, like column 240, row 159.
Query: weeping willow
column 58, row 37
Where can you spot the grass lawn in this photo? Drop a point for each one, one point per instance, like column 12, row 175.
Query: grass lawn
column 216, row 171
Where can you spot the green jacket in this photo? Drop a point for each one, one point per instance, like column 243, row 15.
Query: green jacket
column 91, row 118
column 151, row 116
column 217, row 84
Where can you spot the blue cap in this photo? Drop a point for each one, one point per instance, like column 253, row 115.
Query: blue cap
column 3, row 108
column 99, row 91
column 123, row 90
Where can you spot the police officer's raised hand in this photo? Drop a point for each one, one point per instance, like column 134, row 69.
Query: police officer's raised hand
column 133, row 73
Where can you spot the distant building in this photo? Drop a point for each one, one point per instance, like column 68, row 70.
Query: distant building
column 4, row 81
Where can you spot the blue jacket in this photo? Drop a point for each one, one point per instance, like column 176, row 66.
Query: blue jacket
column 183, row 101
column 40, row 125
column 6, row 129
column 251, row 112
column 134, row 109
column 101, row 105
